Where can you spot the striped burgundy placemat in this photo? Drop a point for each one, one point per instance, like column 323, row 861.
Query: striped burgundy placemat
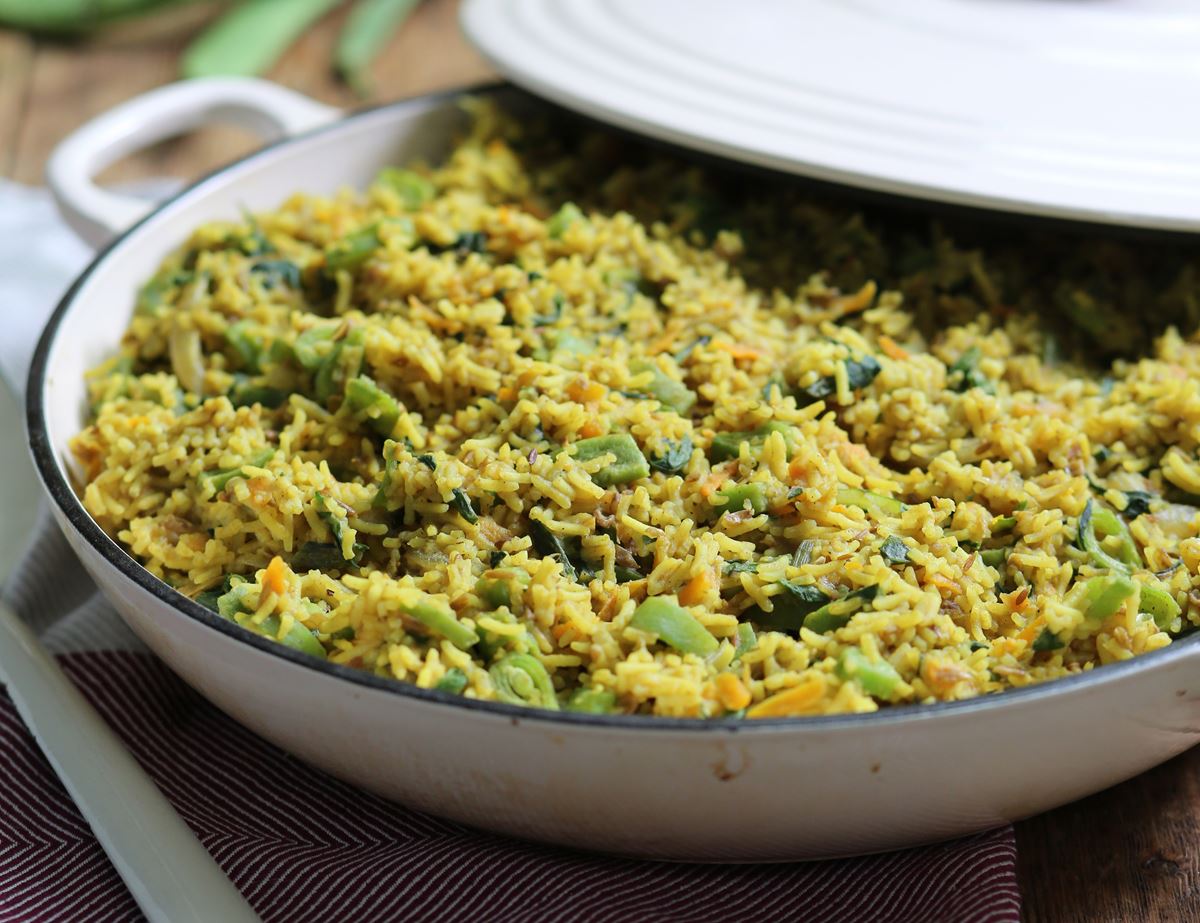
column 304, row 847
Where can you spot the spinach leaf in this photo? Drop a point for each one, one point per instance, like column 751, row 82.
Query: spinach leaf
column 894, row 550
column 551, row 545
column 965, row 374
column 859, row 374
column 1047, row 641
column 463, row 503
column 277, row 272
column 675, row 459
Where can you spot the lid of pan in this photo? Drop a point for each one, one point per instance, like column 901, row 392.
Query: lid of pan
column 1072, row 109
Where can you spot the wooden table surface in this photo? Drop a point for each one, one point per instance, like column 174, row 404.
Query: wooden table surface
column 1130, row 853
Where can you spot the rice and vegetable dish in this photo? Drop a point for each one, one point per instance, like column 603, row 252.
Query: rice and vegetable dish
column 572, row 424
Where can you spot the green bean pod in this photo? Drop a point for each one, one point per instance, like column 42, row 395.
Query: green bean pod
column 520, row 679
column 250, row 37
column 1159, row 604
column 368, row 27
column 674, row 626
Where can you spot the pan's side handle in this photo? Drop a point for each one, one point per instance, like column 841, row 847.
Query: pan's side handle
column 98, row 214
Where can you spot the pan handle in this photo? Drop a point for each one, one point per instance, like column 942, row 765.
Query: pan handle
column 99, row 214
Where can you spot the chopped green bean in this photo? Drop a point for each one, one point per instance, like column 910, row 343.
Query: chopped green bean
column 836, row 614
column 353, row 250
column 557, row 224
column 496, row 588
column 219, row 477
column 872, row 502
column 520, row 679
column 441, row 620
column 746, row 640
column 630, row 463
column 877, row 678
column 1097, row 523
column 380, row 409
column 674, row 626
column 413, row 189
column 306, row 347
column 1103, row 596
column 994, row 557
column 245, row 346
column 592, row 701
column 728, row 445
column 1159, row 605
column 1003, row 524
column 453, row 681
column 672, row 394
column 734, row 497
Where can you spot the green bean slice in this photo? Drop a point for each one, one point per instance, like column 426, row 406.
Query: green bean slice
column 674, row 626
column 520, row 679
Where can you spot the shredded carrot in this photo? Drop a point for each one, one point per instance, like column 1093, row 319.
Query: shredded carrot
column 892, row 349
column 859, row 301
column 583, row 391
column 694, row 591
column 709, row 485
column 732, row 692
column 796, row 468
column 591, row 428
column 945, row 584
column 740, row 350
column 799, row 700
column 1027, row 633
column 506, row 393
column 276, row 576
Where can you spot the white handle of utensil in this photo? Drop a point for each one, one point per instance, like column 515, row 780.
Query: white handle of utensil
column 98, row 214
column 170, row 874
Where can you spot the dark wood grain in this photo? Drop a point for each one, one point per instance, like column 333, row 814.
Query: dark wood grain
column 1131, row 853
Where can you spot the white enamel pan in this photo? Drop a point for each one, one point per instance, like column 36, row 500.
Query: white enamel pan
column 764, row 790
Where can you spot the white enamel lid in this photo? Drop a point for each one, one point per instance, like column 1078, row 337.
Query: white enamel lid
column 1080, row 109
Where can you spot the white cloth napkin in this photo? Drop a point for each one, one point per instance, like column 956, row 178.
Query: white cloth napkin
column 39, row 257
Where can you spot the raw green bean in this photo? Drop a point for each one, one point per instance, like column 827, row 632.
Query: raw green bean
column 368, row 27
column 878, row 678
column 70, row 16
column 630, row 463
column 249, row 38
column 520, row 679
column 674, row 626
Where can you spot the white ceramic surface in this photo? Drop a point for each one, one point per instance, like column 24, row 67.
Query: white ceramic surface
column 1056, row 107
column 777, row 789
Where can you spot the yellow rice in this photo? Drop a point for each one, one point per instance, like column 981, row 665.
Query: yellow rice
column 508, row 330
